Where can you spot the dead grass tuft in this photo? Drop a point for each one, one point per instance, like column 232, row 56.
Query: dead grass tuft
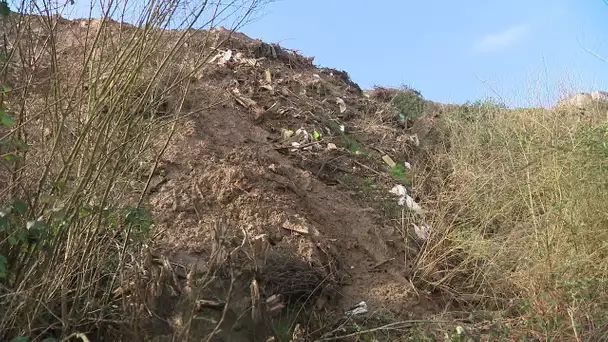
column 519, row 223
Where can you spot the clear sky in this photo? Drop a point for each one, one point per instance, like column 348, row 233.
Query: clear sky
column 526, row 52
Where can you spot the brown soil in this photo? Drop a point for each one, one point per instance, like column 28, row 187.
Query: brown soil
column 230, row 162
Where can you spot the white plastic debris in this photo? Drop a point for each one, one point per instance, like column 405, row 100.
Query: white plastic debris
column 399, row 190
column 342, row 128
column 405, row 199
column 295, row 144
column 316, row 76
column 331, row 146
column 414, row 140
column 359, row 309
column 407, row 165
column 341, row 104
column 422, row 231
column 415, row 207
column 225, row 57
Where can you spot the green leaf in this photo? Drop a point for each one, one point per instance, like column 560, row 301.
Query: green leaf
column 22, row 145
column 10, row 157
column 4, row 9
column 315, row 135
column 7, row 121
column 2, row 267
column 4, row 224
column 83, row 212
column 21, row 236
column 21, row 339
column 5, row 88
column 20, row 207
column 12, row 241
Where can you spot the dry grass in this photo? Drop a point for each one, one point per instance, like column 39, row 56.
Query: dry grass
column 520, row 222
column 80, row 144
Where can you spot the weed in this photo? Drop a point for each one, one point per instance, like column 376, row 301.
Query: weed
column 348, row 179
column 401, row 174
column 409, row 103
column 350, row 143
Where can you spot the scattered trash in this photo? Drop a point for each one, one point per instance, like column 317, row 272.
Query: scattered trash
column 223, row 58
column 274, row 304
column 296, row 144
column 268, row 87
column 415, row 207
column 297, row 228
column 331, row 146
column 422, row 231
column 390, row 162
column 404, row 198
column 266, row 50
column 316, row 76
column 399, row 190
column 407, row 165
column 342, row 128
column 358, row 309
column 268, row 78
column 247, row 102
column 414, row 140
column 341, row 104
column 286, row 133
column 249, row 61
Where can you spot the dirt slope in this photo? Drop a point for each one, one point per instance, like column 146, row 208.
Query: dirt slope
column 277, row 149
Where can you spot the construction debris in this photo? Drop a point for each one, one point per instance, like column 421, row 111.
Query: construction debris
column 358, row 309
column 389, row 161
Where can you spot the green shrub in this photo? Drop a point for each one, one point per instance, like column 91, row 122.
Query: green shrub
column 409, row 103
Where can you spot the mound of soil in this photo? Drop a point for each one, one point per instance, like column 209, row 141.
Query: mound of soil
column 276, row 149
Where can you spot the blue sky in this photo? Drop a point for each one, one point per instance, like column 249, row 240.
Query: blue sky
column 526, row 52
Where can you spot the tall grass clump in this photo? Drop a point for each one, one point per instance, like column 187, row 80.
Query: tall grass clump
column 520, row 225
column 81, row 134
